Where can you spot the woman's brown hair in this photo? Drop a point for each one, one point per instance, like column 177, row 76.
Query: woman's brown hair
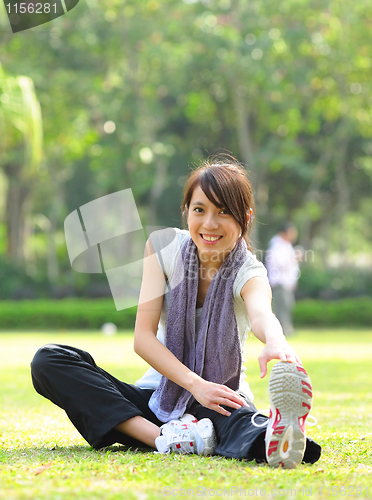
column 225, row 183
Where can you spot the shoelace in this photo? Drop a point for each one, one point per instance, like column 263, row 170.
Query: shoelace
column 309, row 423
column 180, row 435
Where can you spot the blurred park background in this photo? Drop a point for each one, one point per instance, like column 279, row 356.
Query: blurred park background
column 121, row 94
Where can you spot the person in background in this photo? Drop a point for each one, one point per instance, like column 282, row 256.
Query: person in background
column 282, row 262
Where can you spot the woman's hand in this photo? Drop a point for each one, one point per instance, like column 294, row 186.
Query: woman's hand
column 213, row 395
column 277, row 348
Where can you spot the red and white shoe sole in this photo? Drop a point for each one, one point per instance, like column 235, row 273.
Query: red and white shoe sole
column 291, row 400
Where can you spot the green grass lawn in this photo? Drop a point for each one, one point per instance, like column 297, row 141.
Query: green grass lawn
column 43, row 457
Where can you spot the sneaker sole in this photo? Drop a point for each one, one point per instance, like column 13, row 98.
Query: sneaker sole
column 291, row 399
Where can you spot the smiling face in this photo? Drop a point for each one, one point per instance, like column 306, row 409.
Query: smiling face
column 213, row 230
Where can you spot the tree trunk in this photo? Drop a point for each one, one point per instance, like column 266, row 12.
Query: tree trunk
column 333, row 152
column 16, row 198
column 259, row 172
column 52, row 258
column 159, row 184
column 343, row 202
column 244, row 136
column 320, row 170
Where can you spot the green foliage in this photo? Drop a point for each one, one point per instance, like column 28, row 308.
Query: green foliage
column 283, row 85
column 70, row 314
column 344, row 312
column 14, row 281
column 20, row 122
column 63, row 314
column 334, row 283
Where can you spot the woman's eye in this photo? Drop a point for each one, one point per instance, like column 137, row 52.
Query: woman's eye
column 199, row 210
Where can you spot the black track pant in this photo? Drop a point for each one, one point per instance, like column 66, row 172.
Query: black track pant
column 96, row 402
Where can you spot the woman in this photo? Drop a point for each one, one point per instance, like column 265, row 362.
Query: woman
column 193, row 337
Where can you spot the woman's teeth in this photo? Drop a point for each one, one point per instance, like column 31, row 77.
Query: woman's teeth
column 210, row 238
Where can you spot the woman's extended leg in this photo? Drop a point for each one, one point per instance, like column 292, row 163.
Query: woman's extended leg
column 103, row 409
column 238, row 438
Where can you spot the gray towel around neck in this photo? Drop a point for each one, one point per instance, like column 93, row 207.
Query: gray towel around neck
column 216, row 353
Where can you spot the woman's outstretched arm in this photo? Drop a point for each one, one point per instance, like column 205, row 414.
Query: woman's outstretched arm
column 147, row 346
column 256, row 294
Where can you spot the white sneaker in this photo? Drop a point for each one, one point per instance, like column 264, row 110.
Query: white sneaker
column 187, row 418
column 187, row 435
column 176, row 429
column 291, row 399
column 205, row 436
